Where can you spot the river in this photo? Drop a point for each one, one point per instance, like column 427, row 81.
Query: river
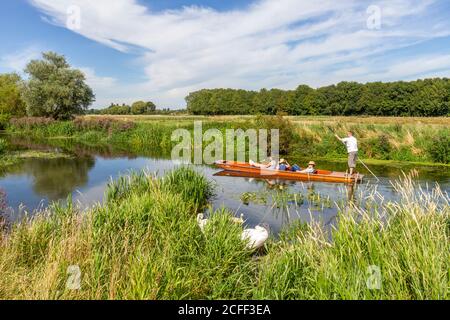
column 35, row 182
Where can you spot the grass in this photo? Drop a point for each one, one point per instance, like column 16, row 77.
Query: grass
column 297, row 119
column 144, row 243
column 414, row 140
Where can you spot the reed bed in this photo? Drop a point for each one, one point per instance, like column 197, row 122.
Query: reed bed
column 143, row 242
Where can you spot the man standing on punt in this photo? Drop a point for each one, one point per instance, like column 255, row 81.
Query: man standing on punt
column 352, row 148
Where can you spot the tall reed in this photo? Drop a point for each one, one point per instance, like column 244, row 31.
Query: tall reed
column 144, row 243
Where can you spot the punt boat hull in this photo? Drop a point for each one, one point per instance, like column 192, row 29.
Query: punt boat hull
column 320, row 175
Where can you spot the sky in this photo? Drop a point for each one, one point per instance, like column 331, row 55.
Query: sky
column 160, row 50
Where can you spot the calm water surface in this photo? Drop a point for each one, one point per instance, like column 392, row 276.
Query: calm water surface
column 34, row 183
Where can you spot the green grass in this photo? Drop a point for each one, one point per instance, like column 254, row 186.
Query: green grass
column 412, row 140
column 144, row 243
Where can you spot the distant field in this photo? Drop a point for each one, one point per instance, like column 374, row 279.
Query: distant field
column 296, row 119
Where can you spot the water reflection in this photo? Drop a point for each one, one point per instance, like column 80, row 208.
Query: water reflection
column 54, row 179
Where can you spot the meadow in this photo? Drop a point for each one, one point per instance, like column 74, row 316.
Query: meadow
column 144, row 243
column 413, row 140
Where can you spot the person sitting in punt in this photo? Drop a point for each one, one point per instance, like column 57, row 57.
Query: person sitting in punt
column 310, row 169
column 285, row 166
column 272, row 165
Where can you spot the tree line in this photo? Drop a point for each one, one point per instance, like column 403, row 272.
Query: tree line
column 53, row 89
column 137, row 108
column 423, row 98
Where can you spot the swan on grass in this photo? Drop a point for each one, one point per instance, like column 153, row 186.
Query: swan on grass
column 255, row 237
column 202, row 221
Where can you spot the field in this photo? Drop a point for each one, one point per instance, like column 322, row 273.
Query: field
column 296, row 119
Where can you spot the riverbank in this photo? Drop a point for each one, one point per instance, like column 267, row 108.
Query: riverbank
column 422, row 141
column 144, row 243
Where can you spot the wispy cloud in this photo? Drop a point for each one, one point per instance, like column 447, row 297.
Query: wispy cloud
column 269, row 43
column 17, row 61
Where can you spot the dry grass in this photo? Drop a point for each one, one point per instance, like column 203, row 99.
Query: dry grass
column 324, row 120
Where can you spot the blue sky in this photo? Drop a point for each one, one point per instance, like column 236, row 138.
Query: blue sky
column 161, row 50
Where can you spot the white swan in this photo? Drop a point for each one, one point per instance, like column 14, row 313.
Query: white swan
column 255, row 237
column 201, row 222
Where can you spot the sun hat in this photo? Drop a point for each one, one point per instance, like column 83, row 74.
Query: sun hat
column 311, row 163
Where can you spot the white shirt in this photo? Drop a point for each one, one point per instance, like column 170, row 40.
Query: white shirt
column 351, row 143
column 272, row 165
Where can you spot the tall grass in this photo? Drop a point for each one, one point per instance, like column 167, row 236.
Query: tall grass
column 408, row 241
column 144, row 243
column 404, row 140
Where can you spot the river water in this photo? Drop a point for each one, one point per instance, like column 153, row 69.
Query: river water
column 35, row 182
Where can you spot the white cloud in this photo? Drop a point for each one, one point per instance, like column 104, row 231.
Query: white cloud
column 417, row 66
column 102, row 86
column 269, row 43
column 17, row 61
column 95, row 81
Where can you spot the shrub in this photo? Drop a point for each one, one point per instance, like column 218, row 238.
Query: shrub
column 102, row 124
column 27, row 123
column 439, row 149
column 285, row 127
column 4, row 120
column 383, row 146
column 3, row 146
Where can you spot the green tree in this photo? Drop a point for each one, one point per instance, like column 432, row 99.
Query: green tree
column 429, row 97
column 11, row 102
column 116, row 109
column 142, row 107
column 54, row 89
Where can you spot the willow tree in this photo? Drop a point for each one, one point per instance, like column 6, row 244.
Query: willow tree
column 54, row 89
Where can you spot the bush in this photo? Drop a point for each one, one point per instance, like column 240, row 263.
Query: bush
column 4, row 120
column 27, row 123
column 3, row 146
column 439, row 149
column 383, row 146
column 285, row 127
column 102, row 124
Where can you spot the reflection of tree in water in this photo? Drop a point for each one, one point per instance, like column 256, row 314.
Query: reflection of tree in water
column 56, row 178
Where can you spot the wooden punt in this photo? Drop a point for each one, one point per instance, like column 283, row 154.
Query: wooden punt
column 321, row 175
